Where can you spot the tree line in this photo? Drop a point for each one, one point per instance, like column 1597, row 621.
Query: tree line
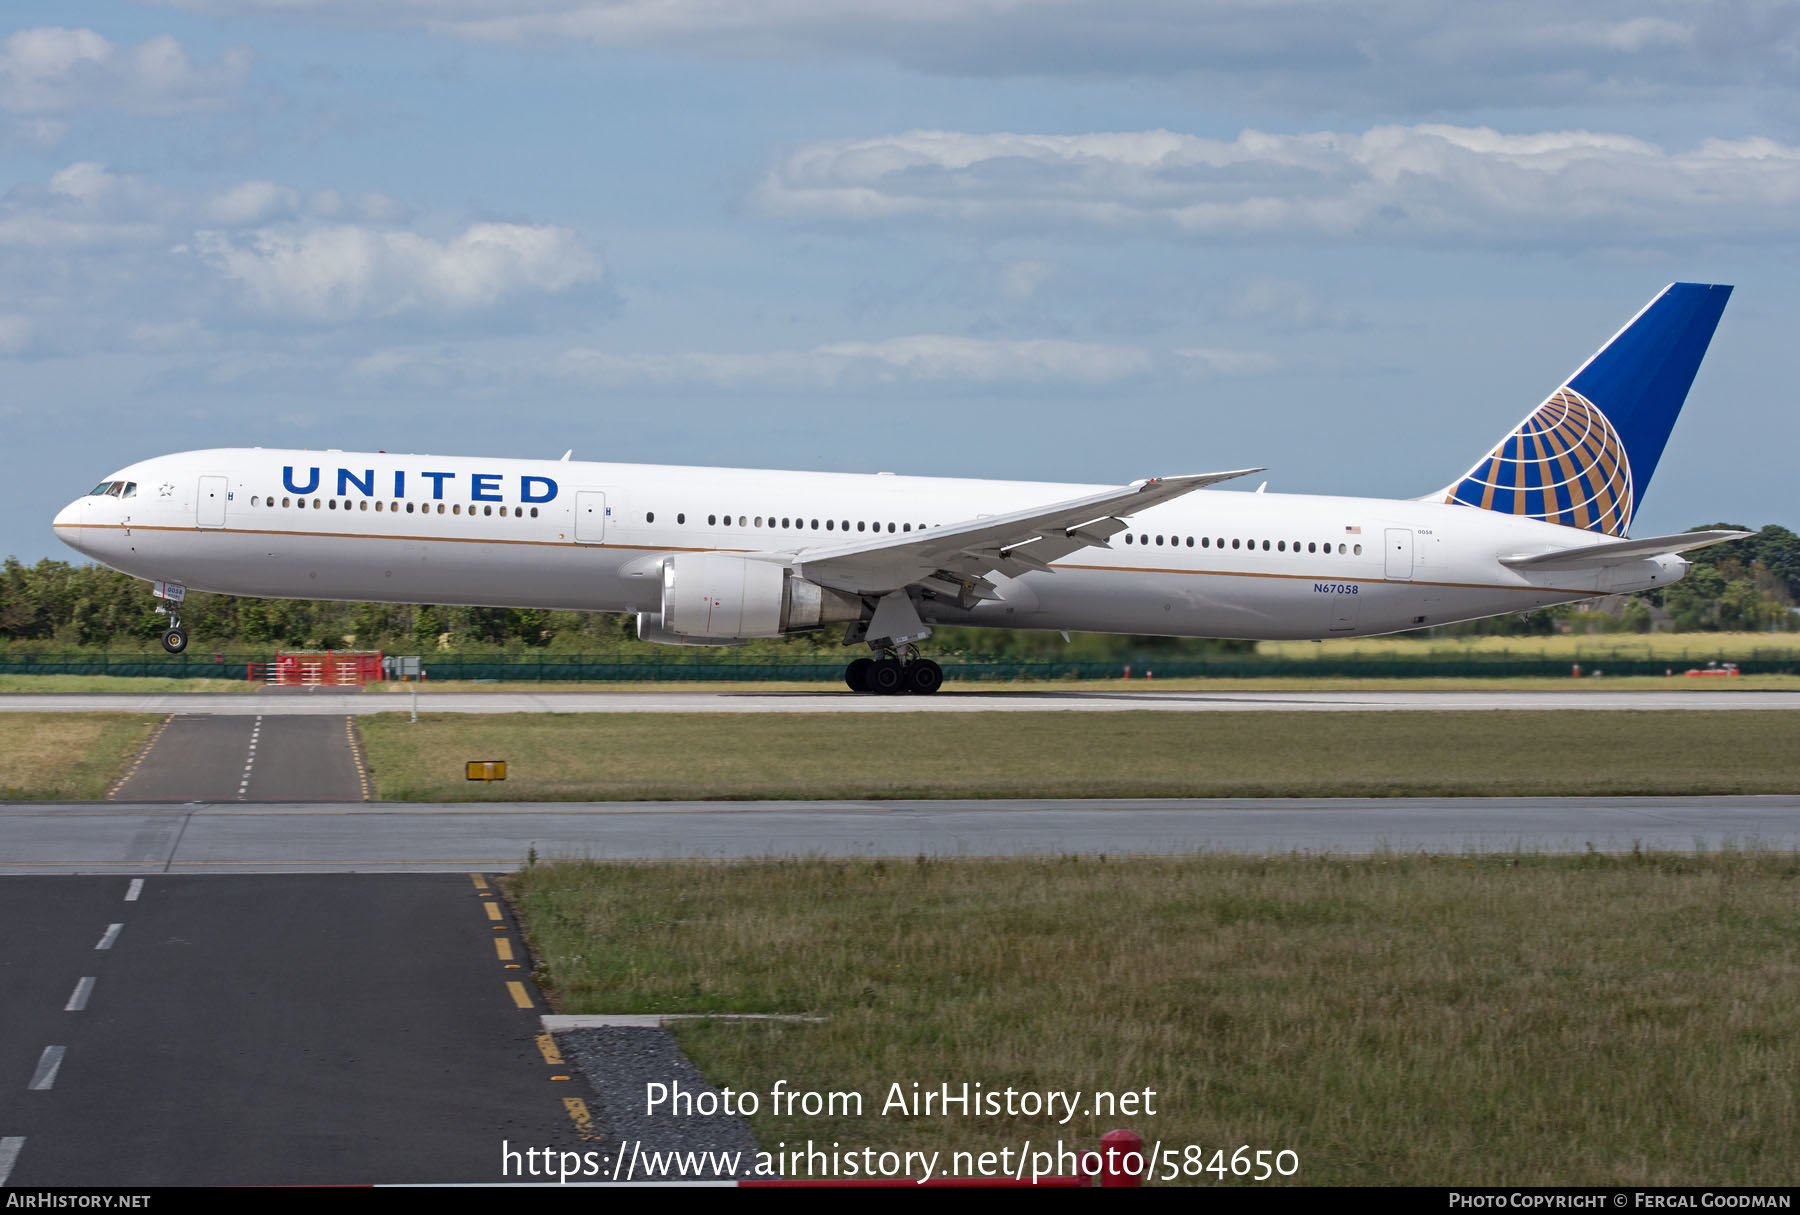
column 1745, row 585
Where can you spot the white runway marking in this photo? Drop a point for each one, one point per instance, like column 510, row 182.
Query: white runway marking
column 48, row 1065
column 78, row 1001
column 136, row 888
column 112, row 934
column 9, row 1155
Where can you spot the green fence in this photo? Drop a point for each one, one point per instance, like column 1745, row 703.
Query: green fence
column 713, row 668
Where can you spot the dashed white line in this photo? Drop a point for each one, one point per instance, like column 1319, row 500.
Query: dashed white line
column 136, row 888
column 78, row 1000
column 112, row 934
column 48, row 1063
column 250, row 762
column 9, row 1155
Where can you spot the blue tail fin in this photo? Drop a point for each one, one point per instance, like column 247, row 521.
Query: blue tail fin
column 1585, row 456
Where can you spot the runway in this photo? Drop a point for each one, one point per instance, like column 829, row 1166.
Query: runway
column 334, row 703
column 86, row 838
column 269, row 1031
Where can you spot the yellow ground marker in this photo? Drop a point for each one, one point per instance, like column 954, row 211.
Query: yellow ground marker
column 143, row 753
column 480, row 882
column 578, row 1114
column 547, row 1047
column 492, row 909
column 520, row 996
column 362, row 773
column 503, row 947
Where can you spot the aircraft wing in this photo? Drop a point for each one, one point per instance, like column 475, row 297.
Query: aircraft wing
column 957, row 559
column 1617, row 552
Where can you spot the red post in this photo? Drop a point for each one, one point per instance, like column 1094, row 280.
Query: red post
column 1118, row 1150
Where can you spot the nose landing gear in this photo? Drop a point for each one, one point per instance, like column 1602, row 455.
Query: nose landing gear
column 895, row 673
column 174, row 638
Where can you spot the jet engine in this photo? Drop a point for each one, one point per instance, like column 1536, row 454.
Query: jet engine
column 717, row 599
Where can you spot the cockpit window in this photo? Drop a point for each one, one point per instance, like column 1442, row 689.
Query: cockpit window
column 130, row 490
column 102, row 489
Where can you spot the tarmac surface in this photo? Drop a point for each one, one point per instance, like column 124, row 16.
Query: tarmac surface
column 316, row 1030
column 497, row 836
column 257, row 759
column 335, row 703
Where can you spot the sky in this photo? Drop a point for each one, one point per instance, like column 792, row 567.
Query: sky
column 1075, row 240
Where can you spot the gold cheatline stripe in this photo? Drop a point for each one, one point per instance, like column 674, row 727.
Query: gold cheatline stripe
column 1124, row 569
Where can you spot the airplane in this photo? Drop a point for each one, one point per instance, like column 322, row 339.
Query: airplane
column 717, row 556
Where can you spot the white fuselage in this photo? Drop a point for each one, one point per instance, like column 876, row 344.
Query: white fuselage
column 562, row 534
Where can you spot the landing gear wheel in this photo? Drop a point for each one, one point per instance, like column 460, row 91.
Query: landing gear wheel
column 857, row 674
column 887, row 677
column 175, row 640
column 924, row 677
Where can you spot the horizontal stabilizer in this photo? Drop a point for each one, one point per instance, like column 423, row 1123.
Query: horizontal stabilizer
column 1617, row 552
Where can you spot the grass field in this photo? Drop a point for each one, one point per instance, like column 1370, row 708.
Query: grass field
column 67, row 756
column 143, row 686
column 1393, row 1020
column 630, row 756
column 1667, row 647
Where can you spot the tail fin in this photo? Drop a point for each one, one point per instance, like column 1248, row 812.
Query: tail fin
column 1584, row 457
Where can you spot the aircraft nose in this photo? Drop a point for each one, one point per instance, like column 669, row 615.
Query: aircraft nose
column 67, row 523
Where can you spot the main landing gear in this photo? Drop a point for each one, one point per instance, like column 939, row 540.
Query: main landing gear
column 895, row 673
column 174, row 637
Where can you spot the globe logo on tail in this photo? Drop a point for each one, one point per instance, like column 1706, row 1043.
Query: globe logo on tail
column 1564, row 464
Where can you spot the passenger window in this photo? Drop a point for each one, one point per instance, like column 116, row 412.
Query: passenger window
column 1206, row 542
column 829, row 524
column 534, row 512
column 1234, row 544
column 1265, row 546
column 890, row 527
column 334, row 504
column 815, row 525
column 487, row 510
column 859, row 525
column 743, row 521
column 409, row 508
column 1128, row 537
column 906, row 527
column 1359, row 550
column 1281, row 546
column 284, row 501
column 457, row 509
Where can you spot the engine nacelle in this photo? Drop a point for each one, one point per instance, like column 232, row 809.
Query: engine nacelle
column 717, row 599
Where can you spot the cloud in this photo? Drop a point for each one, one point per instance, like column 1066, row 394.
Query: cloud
column 15, row 333
column 85, row 206
column 1430, row 183
column 1386, row 55
column 339, row 273
column 913, row 359
column 49, row 70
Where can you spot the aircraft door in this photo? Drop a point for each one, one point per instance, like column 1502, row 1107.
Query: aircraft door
column 1399, row 553
column 210, row 510
column 590, row 516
